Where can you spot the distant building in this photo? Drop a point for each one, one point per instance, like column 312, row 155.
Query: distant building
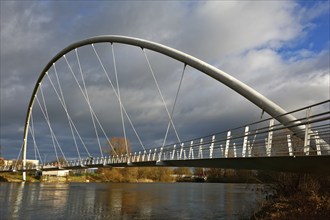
column 8, row 162
column 33, row 162
column 56, row 173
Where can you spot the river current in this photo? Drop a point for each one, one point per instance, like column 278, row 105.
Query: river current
column 126, row 201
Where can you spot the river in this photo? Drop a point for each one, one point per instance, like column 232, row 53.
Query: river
column 126, row 201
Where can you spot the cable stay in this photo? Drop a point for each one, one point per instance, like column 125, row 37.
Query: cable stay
column 88, row 100
column 31, row 129
column 114, row 90
column 175, row 100
column 32, row 132
column 161, row 95
column 64, row 106
column 45, row 113
column 119, row 98
column 18, row 156
column 71, row 123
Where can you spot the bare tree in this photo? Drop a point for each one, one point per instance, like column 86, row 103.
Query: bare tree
column 118, row 146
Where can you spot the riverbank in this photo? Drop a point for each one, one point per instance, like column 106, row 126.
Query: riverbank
column 94, row 178
column 298, row 206
column 16, row 178
column 296, row 196
column 85, row 179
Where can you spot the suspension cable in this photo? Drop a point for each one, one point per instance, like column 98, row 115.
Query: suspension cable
column 161, row 95
column 113, row 88
column 87, row 100
column 119, row 98
column 71, row 123
column 87, row 96
column 45, row 112
column 49, row 124
column 175, row 100
column 35, row 145
column 18, row 156
column 31, row 129
column 64, row 106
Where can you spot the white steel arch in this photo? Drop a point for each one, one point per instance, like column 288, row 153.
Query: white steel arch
column 255, row 97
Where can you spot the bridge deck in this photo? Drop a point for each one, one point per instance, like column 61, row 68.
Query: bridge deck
column 297, row 164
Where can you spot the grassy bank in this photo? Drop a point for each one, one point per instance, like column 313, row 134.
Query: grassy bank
column 296, row 196
column 16, row 178
column 298, row 206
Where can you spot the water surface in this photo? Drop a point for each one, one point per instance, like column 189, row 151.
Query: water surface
column 126, row 201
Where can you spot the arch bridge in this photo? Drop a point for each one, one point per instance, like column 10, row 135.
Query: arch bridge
column 68, row 91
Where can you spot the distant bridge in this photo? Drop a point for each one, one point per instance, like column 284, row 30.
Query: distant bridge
column 296, row 141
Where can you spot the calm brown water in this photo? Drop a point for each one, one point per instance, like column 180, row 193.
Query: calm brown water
column 126, row 201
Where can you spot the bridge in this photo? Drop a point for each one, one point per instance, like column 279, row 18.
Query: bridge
column 68, row 91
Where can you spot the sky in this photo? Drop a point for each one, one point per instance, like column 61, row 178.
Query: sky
column 279, row 48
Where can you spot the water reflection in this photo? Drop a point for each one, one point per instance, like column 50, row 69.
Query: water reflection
column 125, row 201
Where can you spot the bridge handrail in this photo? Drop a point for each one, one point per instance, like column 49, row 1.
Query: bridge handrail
column 265, row 129
column 152, row 154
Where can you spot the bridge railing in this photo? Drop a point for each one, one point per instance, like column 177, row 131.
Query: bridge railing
column 265, row 138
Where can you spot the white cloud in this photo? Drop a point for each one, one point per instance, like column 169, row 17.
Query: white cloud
column 284, row 81
column 218, row 29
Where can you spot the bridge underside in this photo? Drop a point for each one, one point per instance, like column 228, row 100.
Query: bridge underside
column 310, row 164
column 297, row 164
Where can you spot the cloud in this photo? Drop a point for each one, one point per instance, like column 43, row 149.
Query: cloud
column 218, row 30
column 21, row 29
column 264, row 44
column 288, row 82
